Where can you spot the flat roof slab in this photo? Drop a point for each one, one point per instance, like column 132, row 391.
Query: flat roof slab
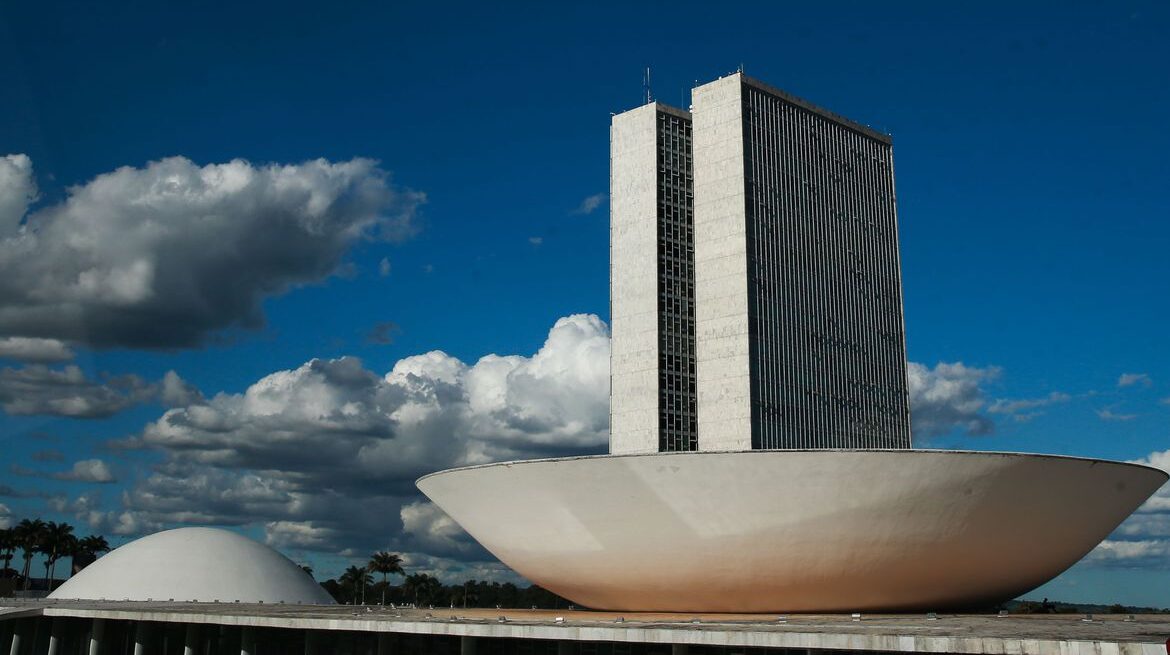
column 975, row 634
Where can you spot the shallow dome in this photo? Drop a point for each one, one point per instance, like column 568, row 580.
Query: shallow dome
column 195, row 564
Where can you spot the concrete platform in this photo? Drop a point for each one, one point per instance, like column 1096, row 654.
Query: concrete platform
column 1057, row 634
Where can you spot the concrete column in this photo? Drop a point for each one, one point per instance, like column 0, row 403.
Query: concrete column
column 466, row 645
column 191, row 640
column 247, row 641
column 141, row 634
column 56, row 635
column 310, row 643
column 679, row 649
column 383, row 643
column 18, row 631
column 96, row 631
column 566, row 647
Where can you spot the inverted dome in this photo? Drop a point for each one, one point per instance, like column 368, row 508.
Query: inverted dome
column 792, row 531
column 200, row 564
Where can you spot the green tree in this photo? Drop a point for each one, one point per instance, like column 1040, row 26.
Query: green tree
column 8, row 546
column 356, row 578
column 29, row 535
column 385, row 562
column 86, row 551
column 58, row 542
column 425, row 589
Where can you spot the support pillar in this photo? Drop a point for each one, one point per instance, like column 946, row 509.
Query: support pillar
column 466, row 645
column 310, row 642
column 56, row 635
column 140, row 636
column 383, row 643
column 566, row 647
column 191, row 640
column 96, row 632
column 679, row 649
column 18, row 631
column 247, row 641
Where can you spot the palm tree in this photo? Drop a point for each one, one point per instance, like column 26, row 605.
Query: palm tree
column 59, row 542
column 385, row 562
column 86, row 551
column 29, row 535
column 7, row 546
column 93, row 544
column 423, row 587
column 355, row 576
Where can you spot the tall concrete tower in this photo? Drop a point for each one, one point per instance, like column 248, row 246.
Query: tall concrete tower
column 652, row 282
column 755, row 257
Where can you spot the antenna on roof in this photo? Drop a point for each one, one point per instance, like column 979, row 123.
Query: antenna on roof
column 740, row 71
column 648, row 96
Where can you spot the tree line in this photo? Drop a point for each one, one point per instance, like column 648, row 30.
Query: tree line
column 357, row 586
column 53, row 540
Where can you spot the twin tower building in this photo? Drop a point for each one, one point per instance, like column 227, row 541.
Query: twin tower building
column 755, row 283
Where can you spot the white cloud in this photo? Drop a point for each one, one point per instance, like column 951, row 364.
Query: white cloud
column 591, row 203
column 18, row 190
column 1108, row 414
column 1131, row 379
column 28, row 349
column 1009, row 406
column 536, row 241
column 433, row 530
column 165, row 255
column 949, row 397
column 285, row 535
column 174, row 391
column 88, row 470
column 1146, row 553
column 384, row 267
column 311, row 453
column 37, row 389
column 1143, row 540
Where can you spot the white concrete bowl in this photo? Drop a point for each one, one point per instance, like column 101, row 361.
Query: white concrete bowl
column 792, row 531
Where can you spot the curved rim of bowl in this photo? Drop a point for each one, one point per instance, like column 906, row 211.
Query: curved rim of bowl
column 905, row 451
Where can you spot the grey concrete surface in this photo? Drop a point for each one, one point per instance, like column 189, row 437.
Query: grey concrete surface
column 1058, row 634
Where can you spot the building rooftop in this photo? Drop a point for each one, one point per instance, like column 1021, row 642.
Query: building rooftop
column 1027, row 634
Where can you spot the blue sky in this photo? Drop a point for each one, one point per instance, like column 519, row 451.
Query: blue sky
column 1031, row 173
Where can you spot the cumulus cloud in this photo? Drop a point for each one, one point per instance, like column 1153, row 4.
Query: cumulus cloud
column 590, row 203
column 88, row 470
column 1143, row 540
column 949, row 397
column 18, row 190
column 384, row 267
column 1131, row 379
column 1108, row 414
column 313, row 452
column 166, row 255
column 434, row 531
column 29, row 349
column 68, row 392
column 1022, row 410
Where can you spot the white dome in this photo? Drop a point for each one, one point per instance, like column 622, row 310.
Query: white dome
column 200, row 564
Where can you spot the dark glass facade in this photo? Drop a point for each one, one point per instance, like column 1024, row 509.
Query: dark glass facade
column 827, row 348
column 677, row 428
